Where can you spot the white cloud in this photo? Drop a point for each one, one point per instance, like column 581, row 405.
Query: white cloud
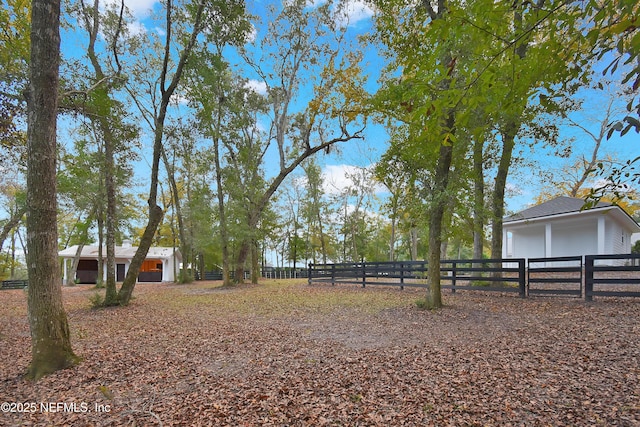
column 348, row 13
column 136, row 28
column 337, row 178
column 258, row 86
column 138, row 8
column 178, row 99
column 354, row 11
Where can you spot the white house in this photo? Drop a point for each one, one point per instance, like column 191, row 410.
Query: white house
column 560, row 228
column 160, row 265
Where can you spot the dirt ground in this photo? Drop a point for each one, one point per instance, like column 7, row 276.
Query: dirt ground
column 283, row 353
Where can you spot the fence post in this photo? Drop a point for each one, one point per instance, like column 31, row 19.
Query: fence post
column 401, row 276
column 588, row 278
column 521, row 278
column 309, row 273
column 364, row 274
column 453, row 277
column 333, row 274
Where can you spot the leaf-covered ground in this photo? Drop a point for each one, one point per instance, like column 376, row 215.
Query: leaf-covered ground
column 285, row 353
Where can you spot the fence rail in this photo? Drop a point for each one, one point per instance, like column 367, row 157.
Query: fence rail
column 598, row 275
column 555, row 276
column 485, row 274
column 14, row 284
column 604, row 279
column 479, row 274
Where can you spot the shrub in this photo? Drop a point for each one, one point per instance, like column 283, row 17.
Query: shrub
column 97, row 300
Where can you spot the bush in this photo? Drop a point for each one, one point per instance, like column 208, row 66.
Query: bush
column 97, row 300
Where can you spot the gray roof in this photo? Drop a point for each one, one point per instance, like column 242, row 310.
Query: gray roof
column 559, row 205
column 121, row 252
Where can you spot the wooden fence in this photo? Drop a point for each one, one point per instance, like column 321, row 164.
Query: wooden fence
column 589, row 276
column 604, row 279
column 14, row 284
column 477, row 274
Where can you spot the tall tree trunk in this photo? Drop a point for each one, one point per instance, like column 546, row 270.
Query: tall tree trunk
column 241, row 259
column 13, row 221
column 102, row 117
column 255, row 262
column 71, row 275
column 13, row 254
column 224, row 235
column 509, row 132
column 508, row 141
column 436, row 216
column 186, row 276
column 323, row 246
column 413, row 232
column 155, row 212
column 478, row 199
column 50, row 338
column 99, row 279
column 111, row 297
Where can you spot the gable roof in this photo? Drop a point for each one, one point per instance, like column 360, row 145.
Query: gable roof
column 564, row 206
column 559, row 205
column 126, row 252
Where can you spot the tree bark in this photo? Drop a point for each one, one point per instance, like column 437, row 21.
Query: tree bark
column 436, row 218
column 240, row 262
column 509, row 132
column 126, row 290
column 478, row 200
column 186, row 275
column 11, row 223
column 508, row 143
column 71, row 276
column 224, row 235
column 50, row 338
column 155, row 212
column 255, row 262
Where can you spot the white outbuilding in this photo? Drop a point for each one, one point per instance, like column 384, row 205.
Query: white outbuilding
column 560, row 227
column 161, row 264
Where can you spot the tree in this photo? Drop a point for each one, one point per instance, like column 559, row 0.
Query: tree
column 14, row 60
column 182, row 26
column 356, row 199
column 103, row 112
column 459, row 62
column 50, row 338
column 315, row 211
column 311, row 43
column 431, row 111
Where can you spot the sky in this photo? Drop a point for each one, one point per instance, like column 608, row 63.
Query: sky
column 523, row 185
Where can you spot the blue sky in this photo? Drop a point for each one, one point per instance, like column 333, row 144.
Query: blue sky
column 524, row 184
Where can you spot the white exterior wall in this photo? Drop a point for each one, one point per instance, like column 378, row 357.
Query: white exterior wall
column 167, row 270
column 588, row 234
column 528, row 242
column 617, row 242
column 572, row 238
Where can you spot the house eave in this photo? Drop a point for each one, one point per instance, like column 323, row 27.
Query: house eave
column 620, row 215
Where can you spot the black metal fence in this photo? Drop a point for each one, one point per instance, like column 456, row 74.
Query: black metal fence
column 589, row 276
